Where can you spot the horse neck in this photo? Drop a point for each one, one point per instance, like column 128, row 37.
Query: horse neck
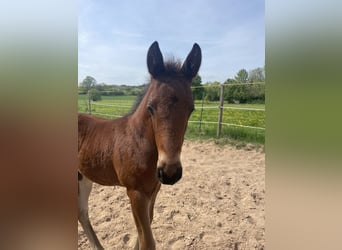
column 141, row 122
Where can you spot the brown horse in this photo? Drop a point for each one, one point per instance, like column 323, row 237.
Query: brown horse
column 142, row 149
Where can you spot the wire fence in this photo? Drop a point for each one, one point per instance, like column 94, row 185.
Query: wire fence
column 211, row 116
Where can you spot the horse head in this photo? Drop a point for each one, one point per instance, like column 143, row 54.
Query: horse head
column 170, row 104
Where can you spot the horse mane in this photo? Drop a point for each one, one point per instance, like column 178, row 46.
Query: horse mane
column 172, row 68
column 139, row 98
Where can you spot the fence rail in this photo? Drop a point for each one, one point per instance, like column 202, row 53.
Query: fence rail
column 190, row 121
column 111, row 105
column 206, row 112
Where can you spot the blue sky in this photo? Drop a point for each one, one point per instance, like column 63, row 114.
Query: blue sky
column 114, row 36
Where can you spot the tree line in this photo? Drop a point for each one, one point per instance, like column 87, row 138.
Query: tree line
column 245, row 87
column 95, row 90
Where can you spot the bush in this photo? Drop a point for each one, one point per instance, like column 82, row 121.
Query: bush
column 245, row 93
column 212, row 92
column 134, row 92
column 113, row 93
column 95, row 95
column 197, row 93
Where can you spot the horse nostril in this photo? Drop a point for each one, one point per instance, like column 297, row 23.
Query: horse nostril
column 166, row 179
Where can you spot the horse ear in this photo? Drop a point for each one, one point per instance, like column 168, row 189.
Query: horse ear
column 155, row 62
column 193, row 62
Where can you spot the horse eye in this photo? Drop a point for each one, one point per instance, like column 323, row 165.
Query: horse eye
column 174, row 99
column 150, row 109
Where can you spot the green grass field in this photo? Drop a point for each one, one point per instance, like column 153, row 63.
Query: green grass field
column 116, row 106
column 103, row 108
column 240, row 116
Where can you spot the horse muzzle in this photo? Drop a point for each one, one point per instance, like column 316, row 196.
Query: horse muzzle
column 169, row 174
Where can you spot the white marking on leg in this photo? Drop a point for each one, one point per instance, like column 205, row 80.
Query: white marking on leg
column 85, row 186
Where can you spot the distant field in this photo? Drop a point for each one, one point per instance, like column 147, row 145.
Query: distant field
column 123, row 104
column 116, row 106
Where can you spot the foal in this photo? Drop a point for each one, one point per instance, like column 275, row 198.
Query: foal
column 140, row 150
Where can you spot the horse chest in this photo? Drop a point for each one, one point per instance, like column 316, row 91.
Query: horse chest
column 133, row 167
column 97, row 165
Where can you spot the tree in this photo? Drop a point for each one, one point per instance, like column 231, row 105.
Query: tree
column 88, row 83
column 95, row 95
column 197, row 90
column 100, row 86
column 212, row 91
column 242, row 76
column 245, row 93
column 257, row 75
column 229, row 81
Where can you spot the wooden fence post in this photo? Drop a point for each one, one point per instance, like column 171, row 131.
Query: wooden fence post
column 200, row 125
column 219, row 122
column 89, row 104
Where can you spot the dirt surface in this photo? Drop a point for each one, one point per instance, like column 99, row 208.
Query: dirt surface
column 218, row 204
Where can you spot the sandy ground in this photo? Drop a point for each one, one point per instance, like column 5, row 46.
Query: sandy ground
column 218, row 204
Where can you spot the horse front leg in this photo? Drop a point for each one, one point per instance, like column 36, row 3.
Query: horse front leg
column 84, row 189
column 153, row 199
column 141, row 207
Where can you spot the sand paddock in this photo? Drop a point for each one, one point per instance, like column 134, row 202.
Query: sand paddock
column 218, row 204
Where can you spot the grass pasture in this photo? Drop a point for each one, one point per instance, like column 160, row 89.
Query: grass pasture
column 108, row 107
column 233, row 116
